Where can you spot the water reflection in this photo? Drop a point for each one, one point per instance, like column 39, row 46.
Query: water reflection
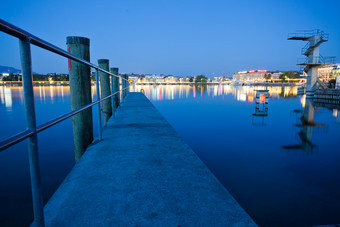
column 11, row 94
column 261, row 106
column 241, row 93
column 337, row 115
column 307, row 124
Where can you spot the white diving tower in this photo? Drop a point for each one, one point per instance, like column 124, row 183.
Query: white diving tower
column 314, row 60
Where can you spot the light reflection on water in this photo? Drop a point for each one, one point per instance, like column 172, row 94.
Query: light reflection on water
column 282, row 173
column 162, row 92
column 241, row 93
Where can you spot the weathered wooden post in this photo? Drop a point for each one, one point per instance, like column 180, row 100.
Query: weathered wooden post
column 126, row 85
column 112, row 91
column 105, row 89
column 80, row 91
column 115, row 86
column 123, row 86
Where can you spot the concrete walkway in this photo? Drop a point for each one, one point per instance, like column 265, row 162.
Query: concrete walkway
column 142, row 174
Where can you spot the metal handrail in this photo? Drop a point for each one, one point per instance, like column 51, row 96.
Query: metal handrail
column 21, row 34
column 316, row 60
column 16, row 139
column 26, row 39
column 310, row 45
column 309, row 33
column 27, row 133
column 328, row 60
column 305, row 48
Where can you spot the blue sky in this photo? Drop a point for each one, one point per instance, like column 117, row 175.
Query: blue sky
column 177, row 37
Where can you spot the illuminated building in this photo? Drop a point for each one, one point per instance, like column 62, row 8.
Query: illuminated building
column 328, row 72
column 255, row 75
column 135, row 79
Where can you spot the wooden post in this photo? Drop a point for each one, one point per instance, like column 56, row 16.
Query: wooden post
column 127, row 85
column 105, row 89
column 80, row 91
column 123, row 86
column 115, row 87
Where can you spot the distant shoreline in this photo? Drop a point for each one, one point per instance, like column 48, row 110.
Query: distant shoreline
column 225, row 83
column 66, row 83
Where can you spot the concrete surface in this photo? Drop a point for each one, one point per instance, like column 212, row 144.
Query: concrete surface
column 142, row 174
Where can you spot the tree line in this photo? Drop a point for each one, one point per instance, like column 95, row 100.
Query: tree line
column 36, row 77
column 284, row 76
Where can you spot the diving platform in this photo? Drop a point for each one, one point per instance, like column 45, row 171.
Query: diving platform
column 313, row 58
column 305, row 35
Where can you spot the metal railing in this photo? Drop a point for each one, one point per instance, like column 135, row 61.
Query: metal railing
column 309, row 46
column 309, row 33
column 25, row 40
column 305, row 48
column 316, row 60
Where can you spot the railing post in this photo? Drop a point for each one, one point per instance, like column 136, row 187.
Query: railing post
column 27, row 78
column 80, row 91
column 105, row 89
column 115, row 86
column 99, row 109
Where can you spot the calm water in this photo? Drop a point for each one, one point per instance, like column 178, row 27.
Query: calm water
column 283, row 174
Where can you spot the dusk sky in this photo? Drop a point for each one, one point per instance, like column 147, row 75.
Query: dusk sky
column 177, row 37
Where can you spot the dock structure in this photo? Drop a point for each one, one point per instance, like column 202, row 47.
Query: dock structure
column 142, row 174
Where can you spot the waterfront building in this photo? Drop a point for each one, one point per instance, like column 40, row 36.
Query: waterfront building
column 170, row 79
column 152, row 78
column 134, row 79
column 328, row 72
column 255, row 75
column 184, row 79
column 336, row 70
column 216, row 79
